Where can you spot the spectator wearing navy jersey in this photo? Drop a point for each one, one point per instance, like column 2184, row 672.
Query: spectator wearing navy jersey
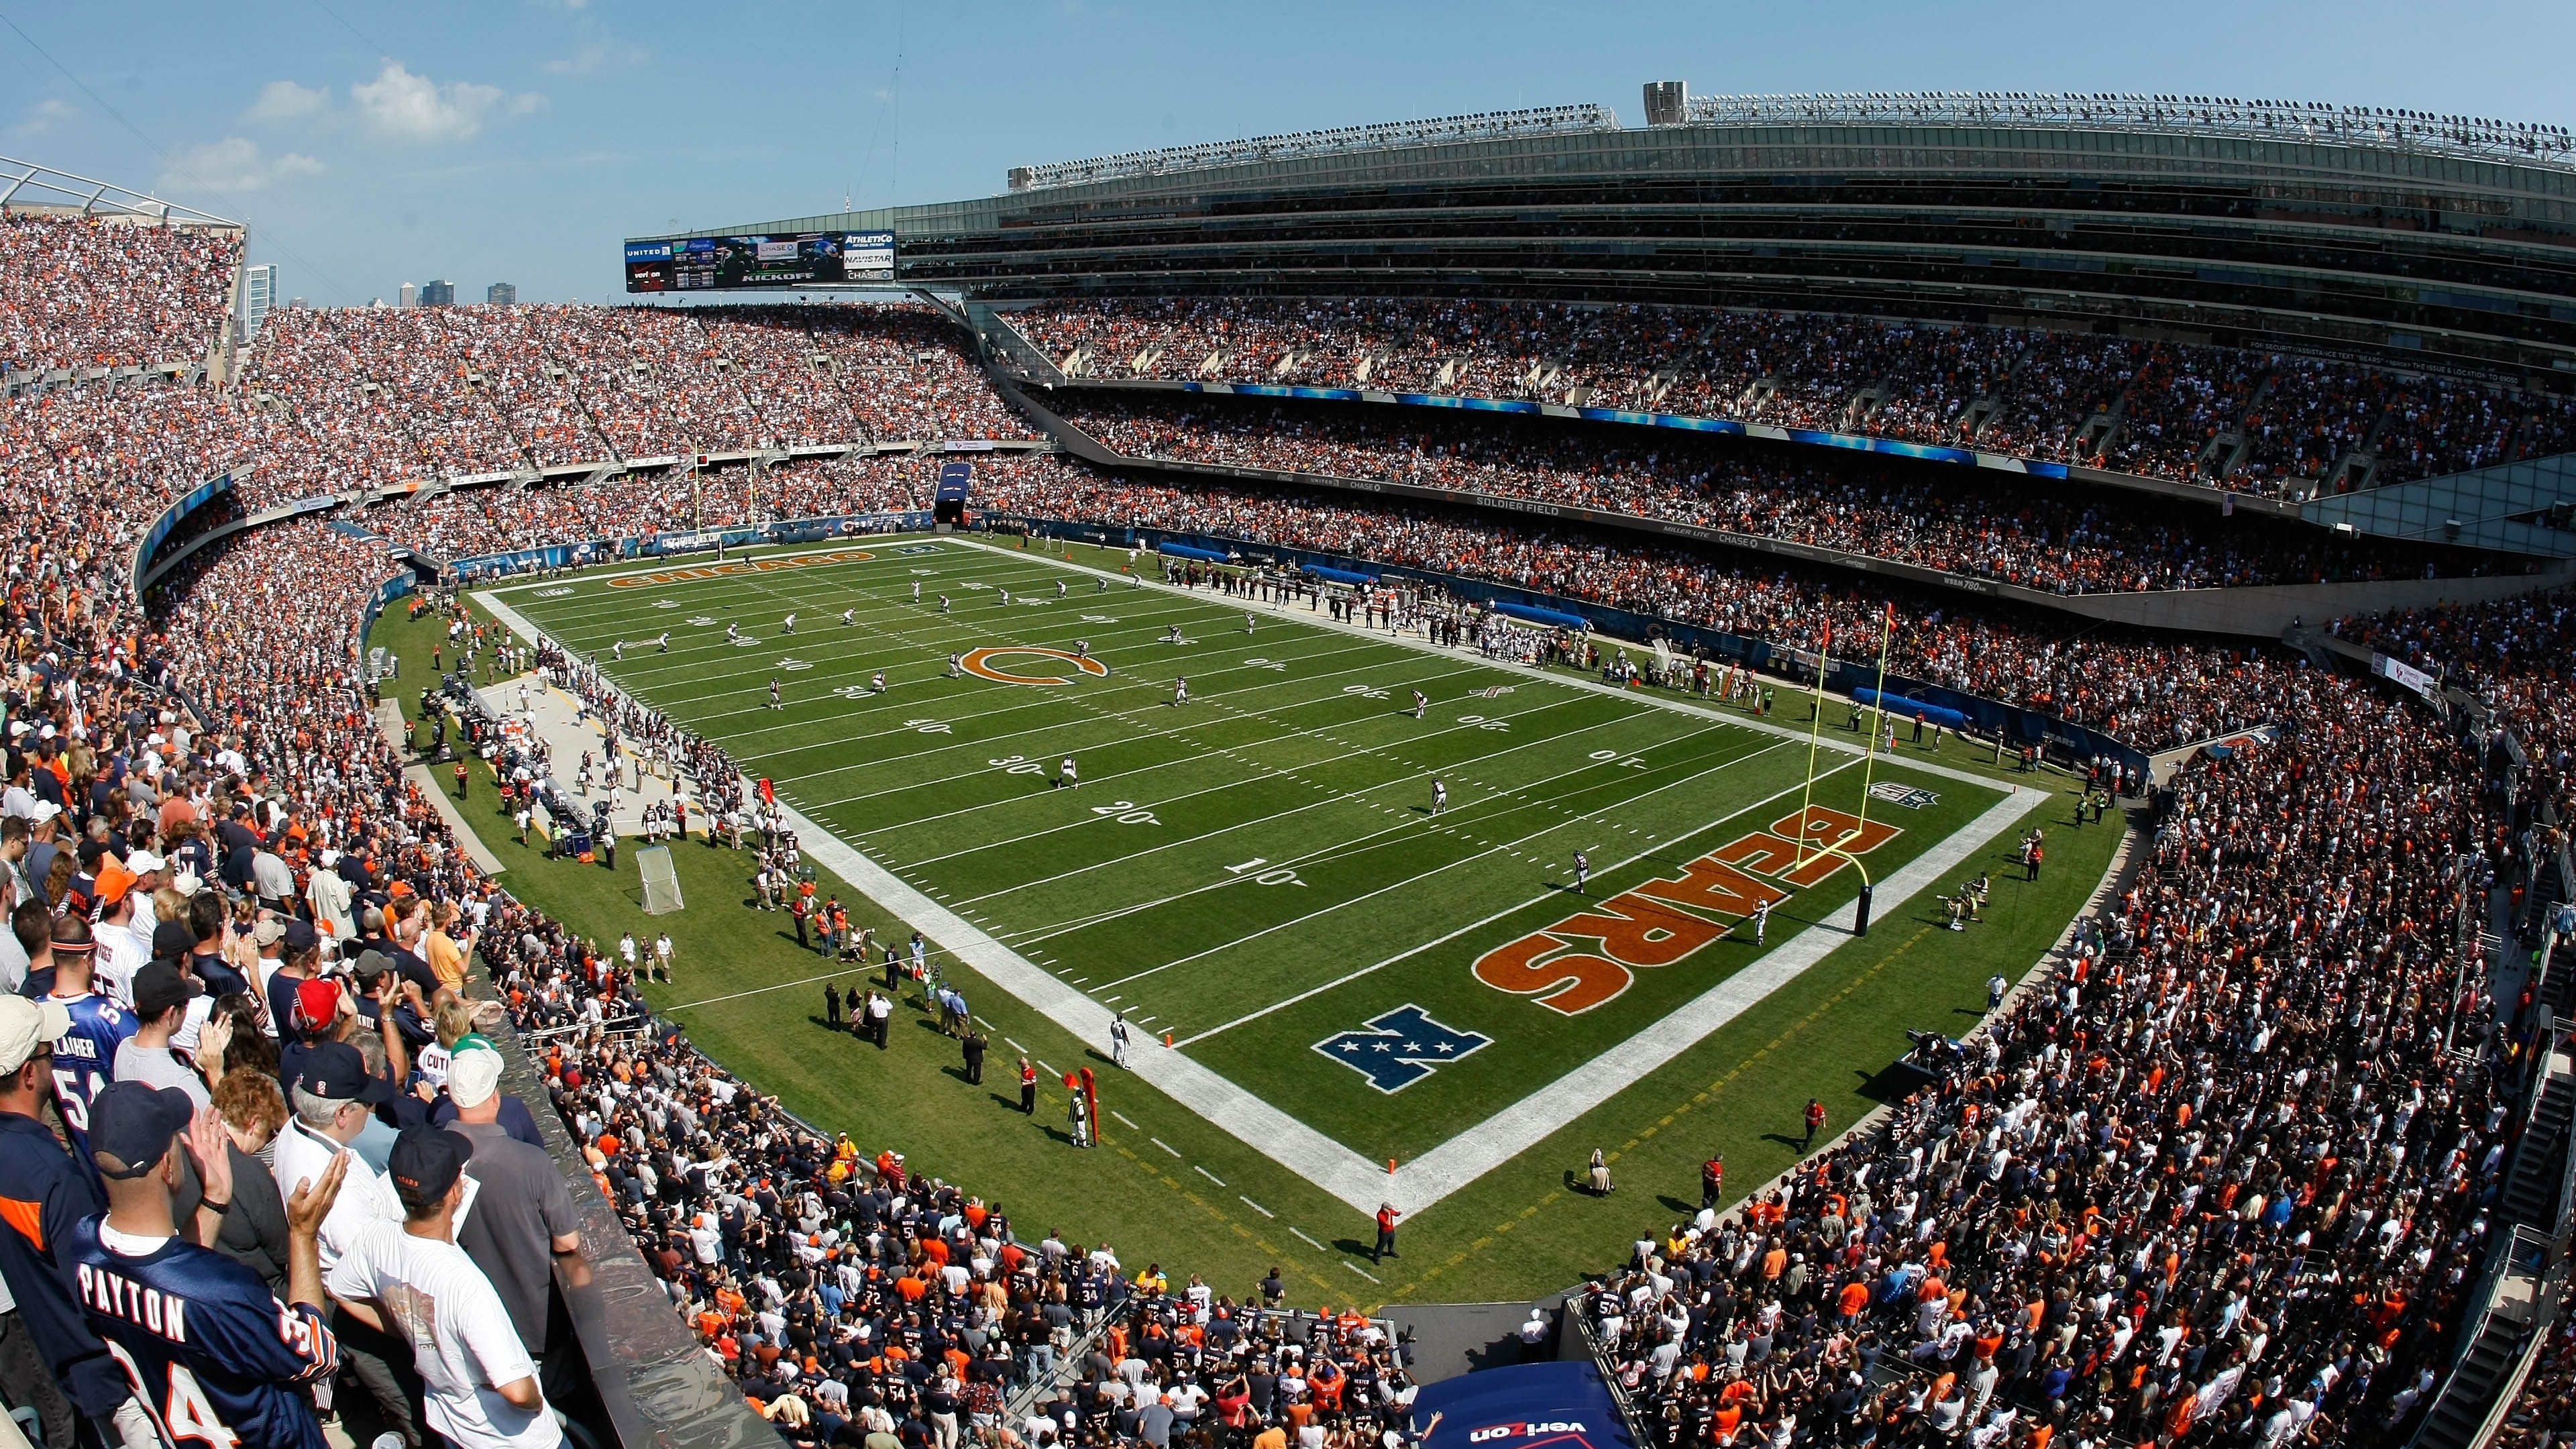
column 213, row 1354
column 50, row 1359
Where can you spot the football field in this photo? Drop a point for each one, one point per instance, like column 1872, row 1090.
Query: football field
column 1359, row 931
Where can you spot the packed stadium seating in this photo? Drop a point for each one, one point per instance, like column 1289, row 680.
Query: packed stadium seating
column 377, row 396
column 2225, row 1170
column 80, row 293
column 2013, row 530
column 2027, row 393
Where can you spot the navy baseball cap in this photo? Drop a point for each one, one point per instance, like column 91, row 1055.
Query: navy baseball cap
column 300, row 936
column 131, row 1124
column 173, row 941
column 424, row 1164
column 334, row 1071
column 158, row 987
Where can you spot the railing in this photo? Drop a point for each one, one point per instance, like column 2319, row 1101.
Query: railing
column 1481, row 126
column 1605, row 1362
column 2469, row 137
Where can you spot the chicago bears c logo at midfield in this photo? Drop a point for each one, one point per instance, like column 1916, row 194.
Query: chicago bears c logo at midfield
column 980, row 663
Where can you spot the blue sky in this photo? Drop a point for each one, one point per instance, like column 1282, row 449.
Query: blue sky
column 368, row 144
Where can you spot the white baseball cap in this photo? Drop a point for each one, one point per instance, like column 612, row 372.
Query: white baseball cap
column 473, row 1075
column 24, row 1024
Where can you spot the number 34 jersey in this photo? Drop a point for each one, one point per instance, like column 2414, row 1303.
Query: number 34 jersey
column 209, row 1349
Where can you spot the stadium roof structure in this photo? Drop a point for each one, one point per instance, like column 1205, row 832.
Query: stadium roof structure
column 1479, row 126
column 28, row 186
column 2467, row 137
column 2392, row 237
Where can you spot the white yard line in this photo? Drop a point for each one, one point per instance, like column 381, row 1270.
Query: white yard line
column 1100, row 716
column 1337, row 797
column 1256, row 1207
column 1420, row 876
column 1204, row 755
column 1310, row 1242
column 1210, row 1176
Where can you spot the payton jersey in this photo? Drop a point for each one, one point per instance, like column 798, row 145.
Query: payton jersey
column 209, row 1350
column 85, row 1060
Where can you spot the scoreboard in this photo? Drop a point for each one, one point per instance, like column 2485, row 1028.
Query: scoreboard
column 709, row 263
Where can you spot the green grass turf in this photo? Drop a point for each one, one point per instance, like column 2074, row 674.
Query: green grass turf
column 1297, row 752
column 1283, row 765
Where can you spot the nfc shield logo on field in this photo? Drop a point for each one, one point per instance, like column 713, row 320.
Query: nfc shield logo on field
column 981, row 663
column 1401, row 1047
column 1897, row 792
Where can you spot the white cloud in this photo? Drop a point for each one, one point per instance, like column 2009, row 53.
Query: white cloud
column 401, row 106
column 43, row 116
column 284, row 100
column 233, row 165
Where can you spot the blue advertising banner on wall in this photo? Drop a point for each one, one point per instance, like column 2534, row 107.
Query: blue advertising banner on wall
column 1858, row 442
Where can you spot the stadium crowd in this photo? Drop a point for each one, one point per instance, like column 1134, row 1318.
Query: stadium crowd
column 2036, row 535
column 2024, row 392
column 2223, row 1175
column 372, row 397
column 2222, row 1170
column 105, row 292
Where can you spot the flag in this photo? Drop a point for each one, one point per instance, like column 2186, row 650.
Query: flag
column 1825, row 644
column 768, row 796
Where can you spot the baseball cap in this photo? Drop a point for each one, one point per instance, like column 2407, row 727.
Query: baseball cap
column 187, row 883
column 113, row 882
column 317, row 1001
column 24, row 1025
column 131, row 1124
column 172, row 940
column 371, row 964
column 301, row 937
column 473, row 1075
column 268, row 932
column 158, row 987
column 144, row 862
column 425, row 1162
column 335, row 1072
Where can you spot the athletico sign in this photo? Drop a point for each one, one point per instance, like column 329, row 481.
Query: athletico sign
column 756, row 566
column 1591, row 956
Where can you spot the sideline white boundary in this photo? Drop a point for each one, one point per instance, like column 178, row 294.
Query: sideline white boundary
column 1281, row 1136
